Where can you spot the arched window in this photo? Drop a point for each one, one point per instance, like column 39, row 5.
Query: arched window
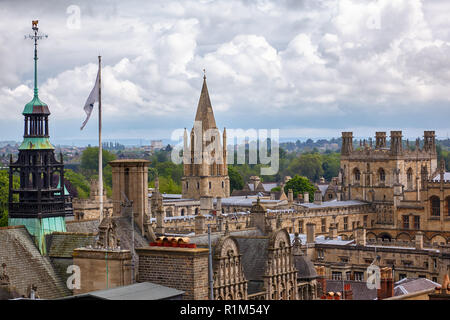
column 196, row 210
column 409, row 178
column 182, row 212
column 435, row 206
column 357, row 174
column 382, row 175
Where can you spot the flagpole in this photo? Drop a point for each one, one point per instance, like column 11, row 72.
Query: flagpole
column 100, row 150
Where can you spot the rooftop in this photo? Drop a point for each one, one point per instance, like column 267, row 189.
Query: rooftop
column 137, row 291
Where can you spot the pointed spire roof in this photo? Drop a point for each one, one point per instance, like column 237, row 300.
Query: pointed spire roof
column 205, row 112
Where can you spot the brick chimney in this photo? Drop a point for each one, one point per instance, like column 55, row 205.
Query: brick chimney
column 386, row 284
column 321, row 280
column 348, row 292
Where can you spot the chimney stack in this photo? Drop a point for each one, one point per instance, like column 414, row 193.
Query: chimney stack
column 348, row 292
column 290, row 197
column 359, row 235
column 318, row 197
column 386, row 284
column 322, row 281
column 419, row 240
column 310, row 233
column 333, row 232
column 306, row 197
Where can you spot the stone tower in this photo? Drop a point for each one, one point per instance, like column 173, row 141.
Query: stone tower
column 205, row 166
column 39, row 202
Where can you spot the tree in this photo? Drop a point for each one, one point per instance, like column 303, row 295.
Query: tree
column 236, row 180
column 167, row 185
column 4, row 193
column 300, row 185
column 89, row 159
column 330, row 165
column 308, row 165
column 79, row 183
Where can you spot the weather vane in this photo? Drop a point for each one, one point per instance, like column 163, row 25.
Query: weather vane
column 204, row 74
column 37, row 35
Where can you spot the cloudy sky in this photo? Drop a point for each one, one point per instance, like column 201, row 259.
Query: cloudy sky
column 308, row 68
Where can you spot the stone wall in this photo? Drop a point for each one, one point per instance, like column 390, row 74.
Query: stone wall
column 101, row 269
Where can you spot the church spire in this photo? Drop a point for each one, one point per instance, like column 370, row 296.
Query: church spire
column 205, row 112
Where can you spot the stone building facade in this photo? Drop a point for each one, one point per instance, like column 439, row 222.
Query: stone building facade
column 405, row 188
column 349, row 260
column 90, row 208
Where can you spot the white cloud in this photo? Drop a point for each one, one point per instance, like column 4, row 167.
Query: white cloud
column 314, row 65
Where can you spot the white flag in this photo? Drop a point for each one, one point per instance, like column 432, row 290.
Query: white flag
column 93, row 98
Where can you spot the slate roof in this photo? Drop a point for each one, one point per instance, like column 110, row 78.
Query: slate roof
column 136, row 291
column 411, row 285
column 323, row 188
column 305, row 268
column 333, row 203
column 359, row 289
column 26, row 265
column 202, row 240
column 83, row 226
column 123, row 232
column 245, row 201
column 61, row 244
column 322, row 240
column 438, row 177
column 254, row 256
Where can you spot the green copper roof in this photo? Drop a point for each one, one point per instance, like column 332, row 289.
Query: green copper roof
column 66, row 193
column 33, row 143
column 36, row 106
column 38, row 228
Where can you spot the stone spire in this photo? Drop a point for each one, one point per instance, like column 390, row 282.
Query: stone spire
column 205, row 112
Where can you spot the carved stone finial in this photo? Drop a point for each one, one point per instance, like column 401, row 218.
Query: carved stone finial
column 296, row 245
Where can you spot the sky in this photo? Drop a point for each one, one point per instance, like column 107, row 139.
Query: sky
column 308, row 68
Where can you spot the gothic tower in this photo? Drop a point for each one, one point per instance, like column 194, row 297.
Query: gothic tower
column 39, row 201
column 205, row 166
